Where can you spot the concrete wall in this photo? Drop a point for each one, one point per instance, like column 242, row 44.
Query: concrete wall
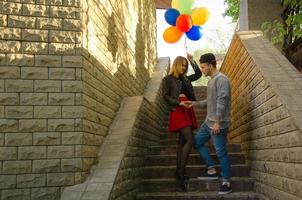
column 255, row 12
column 65, row 66
column 266, row 114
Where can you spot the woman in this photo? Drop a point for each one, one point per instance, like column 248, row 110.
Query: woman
column 177, row 90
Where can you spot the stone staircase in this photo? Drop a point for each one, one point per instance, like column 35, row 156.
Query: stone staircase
column 158, row 178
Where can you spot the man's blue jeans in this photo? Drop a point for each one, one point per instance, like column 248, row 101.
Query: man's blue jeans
column 219, row 141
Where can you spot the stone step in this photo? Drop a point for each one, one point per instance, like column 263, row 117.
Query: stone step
column 167, row 135
column 169, row 140
column 194, row 159
column 171, row 149
column 191, row 170
column 239, row 184
column 197, row 196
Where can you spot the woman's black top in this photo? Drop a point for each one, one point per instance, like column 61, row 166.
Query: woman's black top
column 173, row 87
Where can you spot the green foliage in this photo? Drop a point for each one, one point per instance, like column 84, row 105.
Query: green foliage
column 203, row 81
column 232, row 10
column 276, row 29
column 197, row 53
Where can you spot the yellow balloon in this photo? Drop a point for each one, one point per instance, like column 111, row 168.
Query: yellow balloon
column 172, row 34
column 200, row 16
column 175, row 4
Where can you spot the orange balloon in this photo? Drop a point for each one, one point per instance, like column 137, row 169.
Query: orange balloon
column 172, row 34
column 200, row 16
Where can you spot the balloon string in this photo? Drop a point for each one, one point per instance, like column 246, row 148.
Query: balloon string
column 186, row 47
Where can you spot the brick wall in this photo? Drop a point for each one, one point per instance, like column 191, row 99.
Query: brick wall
column 65, row 66
column 266, row 114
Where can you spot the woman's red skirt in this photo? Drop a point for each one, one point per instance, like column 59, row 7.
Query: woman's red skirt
column 182, row 117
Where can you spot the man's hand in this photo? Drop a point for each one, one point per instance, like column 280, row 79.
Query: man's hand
column 216, row 128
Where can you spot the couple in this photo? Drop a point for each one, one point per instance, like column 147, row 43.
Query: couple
column 178, row 93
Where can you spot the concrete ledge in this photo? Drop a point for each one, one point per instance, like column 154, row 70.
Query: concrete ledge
column 151, row 91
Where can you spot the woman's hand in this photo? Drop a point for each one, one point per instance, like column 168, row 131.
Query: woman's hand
column 189, row 57
column 187, row 104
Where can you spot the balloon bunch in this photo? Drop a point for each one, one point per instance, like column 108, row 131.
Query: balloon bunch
column 185, row 20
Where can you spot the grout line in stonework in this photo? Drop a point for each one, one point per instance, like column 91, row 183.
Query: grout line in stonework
column 48, row 10
column 61, row 109
column 98, row 89
column 270, row 136
column 103, row 84
column 259, row 106
column 255, row 85
column 246, row 88
column 246, row 132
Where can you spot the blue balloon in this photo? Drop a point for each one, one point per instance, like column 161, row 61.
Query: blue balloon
column 195, row 33
column 171, row 15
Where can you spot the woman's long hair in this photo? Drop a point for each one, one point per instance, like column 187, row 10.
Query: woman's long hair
column 178, row 62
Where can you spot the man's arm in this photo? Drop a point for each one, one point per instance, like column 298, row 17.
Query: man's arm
column 223, row 96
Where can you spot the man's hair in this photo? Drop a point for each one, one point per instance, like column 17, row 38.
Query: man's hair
column 208, row 58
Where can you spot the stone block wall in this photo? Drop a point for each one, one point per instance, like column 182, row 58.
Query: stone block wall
column 118, row 57
column 150, row 121
column 137, row 125
column 39, row 107
column 266, row 114
column 146, row 132
column 61, row 84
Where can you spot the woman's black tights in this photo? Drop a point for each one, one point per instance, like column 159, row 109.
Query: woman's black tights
column 184, row 146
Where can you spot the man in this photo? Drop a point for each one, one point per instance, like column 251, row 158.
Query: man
column 217, row 122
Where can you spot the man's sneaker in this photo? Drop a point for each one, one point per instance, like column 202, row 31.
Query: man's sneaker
column 225, row 189
column 207, row 176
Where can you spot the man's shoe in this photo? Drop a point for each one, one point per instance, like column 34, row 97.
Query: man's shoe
column 225, row 189
column 207, row 176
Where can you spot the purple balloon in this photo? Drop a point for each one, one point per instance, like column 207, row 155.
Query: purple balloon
column 171, row 15
column 195, row 33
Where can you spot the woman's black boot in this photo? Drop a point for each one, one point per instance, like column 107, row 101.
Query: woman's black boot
column 182, row 181
column 185, row 176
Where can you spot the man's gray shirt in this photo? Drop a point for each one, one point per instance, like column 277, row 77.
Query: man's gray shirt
column 218, row 101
